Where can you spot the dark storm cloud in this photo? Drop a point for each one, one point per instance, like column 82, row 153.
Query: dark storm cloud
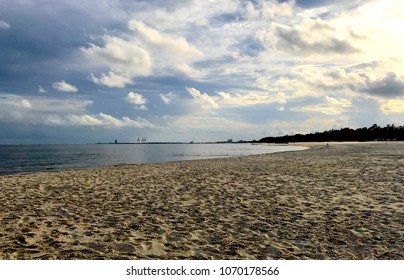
column 39, row 34
column 41, row 44
column 391, row 86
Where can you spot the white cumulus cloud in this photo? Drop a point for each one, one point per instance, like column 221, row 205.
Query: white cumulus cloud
column 111, row 79
column 177, row 45
column 8, row 100
column 140, row 52
column 137, row 99
column 205, row 101
column 269, row 9
column 63, row 86
column 37, row 109
column 189, row 70
column 123, row 56
column 167, row 98
column 41, row 90
column 97, row 120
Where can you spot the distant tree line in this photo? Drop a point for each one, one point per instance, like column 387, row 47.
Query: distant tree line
column 373, row 133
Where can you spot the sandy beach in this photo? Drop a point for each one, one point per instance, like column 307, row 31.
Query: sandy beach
column 345, row 201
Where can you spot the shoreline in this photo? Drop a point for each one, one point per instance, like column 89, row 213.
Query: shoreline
column 307, row 145
column 341, row 202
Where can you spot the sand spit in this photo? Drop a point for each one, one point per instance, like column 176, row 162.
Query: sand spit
column 341, row 202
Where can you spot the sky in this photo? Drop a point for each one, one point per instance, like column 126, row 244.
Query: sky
column 82, row 71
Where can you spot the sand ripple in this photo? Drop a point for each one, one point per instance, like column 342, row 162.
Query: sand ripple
column 341, row 202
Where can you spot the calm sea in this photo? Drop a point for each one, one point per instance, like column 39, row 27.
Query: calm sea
column 32, row 158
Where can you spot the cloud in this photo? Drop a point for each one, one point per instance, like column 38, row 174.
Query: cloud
column 177, row 45
column 168, row 98
column 330, row 106
column 7, row 100
column 97, row 120
column 392, row 107
column 225, row 18
column 251, row 46
column 390, row 86
column 313, row 3
column 65, row 87
column 306, row 81
column 305, row 125
column 36, row 109
column 44, row 104
column 229, row 101
column 41, row 89
column 205, row 101
column 4, row 25
column 111, row 79
column 47, row 105
column 137, row 99
column 269, row 9
column 25, row 103
column 367, row 111
column 248, row 98
column 302, row 39
column 218, row 124
column 189, row 70
column 57, row 112
column 123, row 56
column 141, row 52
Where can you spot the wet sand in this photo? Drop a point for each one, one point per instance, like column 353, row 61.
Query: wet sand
column 341, row 202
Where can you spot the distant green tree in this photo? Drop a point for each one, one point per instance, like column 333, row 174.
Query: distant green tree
column 375, row 132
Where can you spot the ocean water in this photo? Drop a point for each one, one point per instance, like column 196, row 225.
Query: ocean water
column 33, row 158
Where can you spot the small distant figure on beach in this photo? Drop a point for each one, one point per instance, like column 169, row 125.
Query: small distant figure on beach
column 327, row 145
